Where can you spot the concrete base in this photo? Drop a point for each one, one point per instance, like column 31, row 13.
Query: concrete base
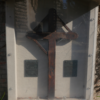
column 54, row 99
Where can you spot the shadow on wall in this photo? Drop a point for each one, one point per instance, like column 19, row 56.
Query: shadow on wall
column 71, row 10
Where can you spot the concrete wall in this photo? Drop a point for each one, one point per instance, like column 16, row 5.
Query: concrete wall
column 18, row 46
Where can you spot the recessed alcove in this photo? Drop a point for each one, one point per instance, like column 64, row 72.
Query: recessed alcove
column 74, row 59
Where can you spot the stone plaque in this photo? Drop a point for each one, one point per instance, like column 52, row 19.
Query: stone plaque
column 31, row 68
column 70, row 68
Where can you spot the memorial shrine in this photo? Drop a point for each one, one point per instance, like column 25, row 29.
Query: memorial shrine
column 51, row 47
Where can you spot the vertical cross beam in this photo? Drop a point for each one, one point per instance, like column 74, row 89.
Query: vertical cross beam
column 51, row 53
column 51, row 74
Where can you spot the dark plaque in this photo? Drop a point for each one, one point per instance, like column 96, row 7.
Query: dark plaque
column 70, row 68
column 31, row 68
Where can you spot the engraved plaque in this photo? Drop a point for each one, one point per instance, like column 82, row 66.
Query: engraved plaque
column 70, row 68
column 31, row 68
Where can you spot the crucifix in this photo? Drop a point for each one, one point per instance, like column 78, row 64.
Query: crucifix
column 52, row 36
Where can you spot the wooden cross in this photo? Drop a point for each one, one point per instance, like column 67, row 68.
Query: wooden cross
column 52, row 36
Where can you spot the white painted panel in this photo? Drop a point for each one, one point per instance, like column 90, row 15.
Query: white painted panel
column 11, row 51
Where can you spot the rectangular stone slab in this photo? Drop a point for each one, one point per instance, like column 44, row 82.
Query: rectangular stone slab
column 31, row 68
column 70, row 68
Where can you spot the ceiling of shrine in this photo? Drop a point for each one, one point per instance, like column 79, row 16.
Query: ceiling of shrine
column 82, row 1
